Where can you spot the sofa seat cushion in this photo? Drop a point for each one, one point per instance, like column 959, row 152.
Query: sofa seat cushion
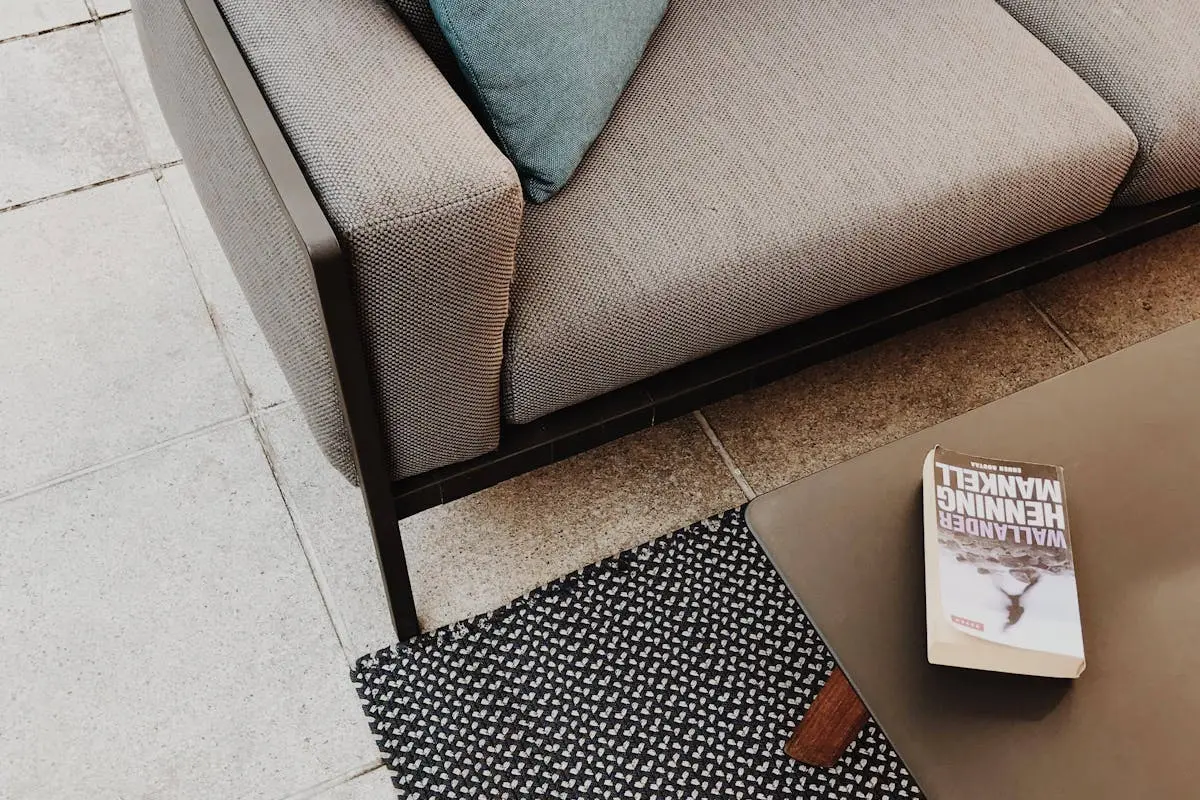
column 772, row 160
column 1144, row 59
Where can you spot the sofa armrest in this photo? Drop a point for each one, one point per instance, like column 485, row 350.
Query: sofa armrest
column 424, row 207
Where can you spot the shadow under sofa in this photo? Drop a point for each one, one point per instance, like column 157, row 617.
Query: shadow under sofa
column 777, row 185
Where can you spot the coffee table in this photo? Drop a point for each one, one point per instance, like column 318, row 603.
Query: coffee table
column 847, row 541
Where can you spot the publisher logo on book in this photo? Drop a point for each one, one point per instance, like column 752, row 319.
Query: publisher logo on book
column 966, row 623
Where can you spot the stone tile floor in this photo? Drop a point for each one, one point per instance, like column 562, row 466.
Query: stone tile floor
column 184, row 581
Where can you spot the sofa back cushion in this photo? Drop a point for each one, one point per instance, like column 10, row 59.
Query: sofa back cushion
column 546, row 74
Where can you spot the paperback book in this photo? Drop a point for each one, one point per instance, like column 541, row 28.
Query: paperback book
column 999, row 570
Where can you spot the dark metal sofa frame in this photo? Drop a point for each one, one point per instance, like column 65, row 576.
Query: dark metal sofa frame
column 524, row 448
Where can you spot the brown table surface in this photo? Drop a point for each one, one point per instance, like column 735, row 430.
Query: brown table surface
column 848, row 542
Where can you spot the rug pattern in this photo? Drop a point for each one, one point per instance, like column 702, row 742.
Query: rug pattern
column 673, row 670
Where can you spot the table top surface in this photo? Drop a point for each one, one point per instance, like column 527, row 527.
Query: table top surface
column 848, row 542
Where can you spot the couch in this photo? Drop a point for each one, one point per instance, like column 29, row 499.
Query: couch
column 780, row 181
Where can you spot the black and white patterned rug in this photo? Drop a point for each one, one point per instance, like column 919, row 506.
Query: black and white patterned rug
column 673, row 670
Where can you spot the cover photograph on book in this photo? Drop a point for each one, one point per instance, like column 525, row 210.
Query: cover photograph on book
column 1004, row 566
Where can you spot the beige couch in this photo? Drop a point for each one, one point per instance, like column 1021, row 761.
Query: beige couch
column 769, row 163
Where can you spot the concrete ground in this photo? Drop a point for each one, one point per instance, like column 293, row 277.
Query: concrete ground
column 184, row 581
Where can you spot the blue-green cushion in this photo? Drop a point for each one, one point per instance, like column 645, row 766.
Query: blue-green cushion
column 546, row 74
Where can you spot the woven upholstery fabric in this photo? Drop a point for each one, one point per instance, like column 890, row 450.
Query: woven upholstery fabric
column 427, row 207
column 264, row 250
column 769, row 161
column 1144, row 59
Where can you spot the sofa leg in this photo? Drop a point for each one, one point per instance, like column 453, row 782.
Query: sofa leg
column 398, row 588
column 331, row 273
column 393, row 565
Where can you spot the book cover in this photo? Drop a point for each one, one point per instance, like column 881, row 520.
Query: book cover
column 1000, row 573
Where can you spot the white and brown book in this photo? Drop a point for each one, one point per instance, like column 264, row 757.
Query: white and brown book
column 1000, row 588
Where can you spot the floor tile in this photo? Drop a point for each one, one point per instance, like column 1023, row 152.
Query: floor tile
column 839, row 409
column 1127, row 297
column 375, row 785
column 235, row 322
column 121, row 37
column 477, row 553
column 106, row 7
column 107, row 345
column 21, row 17
column 163, row 636
column 64, row 122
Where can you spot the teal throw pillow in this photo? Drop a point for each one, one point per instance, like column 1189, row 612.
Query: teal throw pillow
column 546, row 74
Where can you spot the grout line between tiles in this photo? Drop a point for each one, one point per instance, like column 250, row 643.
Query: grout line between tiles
column 214, row 319
column 143, row 135
column 336, row 621
column 183, row 437
column 730, row 464
column 337, row 780
column 264, row 442
column 1058, row 329
column 34, row 34
column 96, row 15
column 74, row 190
